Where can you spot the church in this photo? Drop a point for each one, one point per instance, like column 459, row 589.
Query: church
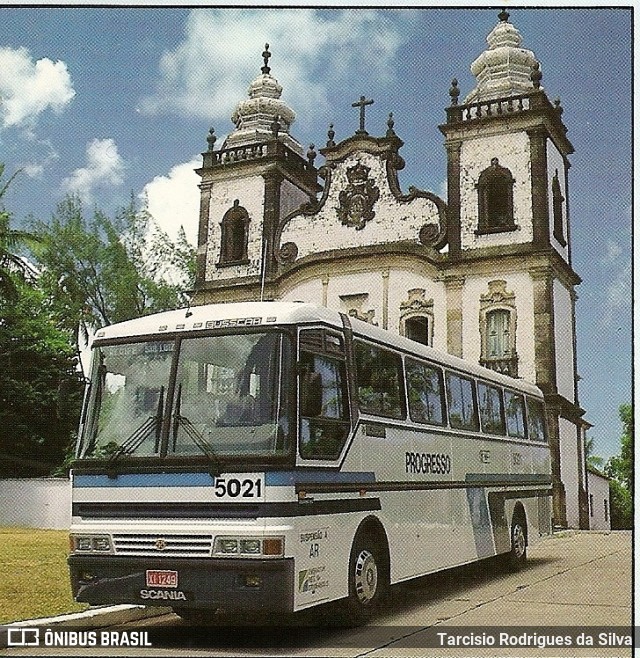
column 484, row 274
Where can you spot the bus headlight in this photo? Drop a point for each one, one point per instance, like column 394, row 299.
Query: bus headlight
column 249, row 546
column 90, row 543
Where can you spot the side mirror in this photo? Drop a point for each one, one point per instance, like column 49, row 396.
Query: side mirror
column 310, row 394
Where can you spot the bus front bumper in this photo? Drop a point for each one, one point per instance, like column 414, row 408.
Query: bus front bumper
column 228, row 585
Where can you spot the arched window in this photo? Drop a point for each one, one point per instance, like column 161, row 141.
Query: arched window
column 235, row 236
column 558, row 218
column 495, row 199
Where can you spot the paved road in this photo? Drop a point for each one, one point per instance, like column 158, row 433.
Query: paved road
column 575, row 579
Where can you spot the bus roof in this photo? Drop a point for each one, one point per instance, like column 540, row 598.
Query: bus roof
column 265, row 314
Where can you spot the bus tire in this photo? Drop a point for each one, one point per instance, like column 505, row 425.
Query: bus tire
column 368, row 579
column 517, row 556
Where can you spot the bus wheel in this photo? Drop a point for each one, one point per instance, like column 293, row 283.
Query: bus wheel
column 517, row 557
column 367, row 579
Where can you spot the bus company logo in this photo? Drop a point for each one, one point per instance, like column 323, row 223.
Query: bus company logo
column 23, row 637
column 309, row 580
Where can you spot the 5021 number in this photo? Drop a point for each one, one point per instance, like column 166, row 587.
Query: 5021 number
column 237, row 488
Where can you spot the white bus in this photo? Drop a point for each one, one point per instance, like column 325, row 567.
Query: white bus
column 239, row 458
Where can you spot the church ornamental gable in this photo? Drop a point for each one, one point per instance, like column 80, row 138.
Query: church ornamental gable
column 362, row 205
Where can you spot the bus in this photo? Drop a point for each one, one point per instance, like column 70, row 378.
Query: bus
column 268, row 456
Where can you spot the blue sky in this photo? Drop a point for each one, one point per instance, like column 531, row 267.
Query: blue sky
column 108, row 102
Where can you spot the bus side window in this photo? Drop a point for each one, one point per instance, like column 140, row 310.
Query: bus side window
column 537, row 420
column 324, row 416
column 491, row 409
column 379, row 377
column 425, row 388
column 514, row 407
column 461, row 396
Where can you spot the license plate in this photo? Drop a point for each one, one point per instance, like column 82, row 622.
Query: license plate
column 162, row 578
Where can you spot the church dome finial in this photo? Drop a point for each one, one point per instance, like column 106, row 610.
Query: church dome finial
column 504, row 69
column 254, row 117
column 266, row 69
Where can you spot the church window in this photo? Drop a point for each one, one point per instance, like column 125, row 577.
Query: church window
column 498, row 329
column 416, row 317
column 235, row 236
column 558, row 220
column 495, row 199
column 498, row 334
column 417, row 328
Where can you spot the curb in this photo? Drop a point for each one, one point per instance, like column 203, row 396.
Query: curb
column 101, row 617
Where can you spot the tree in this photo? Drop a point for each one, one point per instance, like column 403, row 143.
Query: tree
column 36, row 362
column 12, row 266
column 620, row 471
column 593, row 460
column 620, row 467
column 99, row 270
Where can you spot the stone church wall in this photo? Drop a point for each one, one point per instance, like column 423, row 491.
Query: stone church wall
column 555, row 162
column 518, row 283
column 569, row 469
column 563, row 340
column 513, row 152
column 250, row 193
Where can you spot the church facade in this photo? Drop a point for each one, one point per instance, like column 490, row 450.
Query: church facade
column 485, row 274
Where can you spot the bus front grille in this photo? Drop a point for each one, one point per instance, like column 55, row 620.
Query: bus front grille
column 163, row 545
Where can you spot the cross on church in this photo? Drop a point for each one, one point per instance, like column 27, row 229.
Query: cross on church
column 362, row 103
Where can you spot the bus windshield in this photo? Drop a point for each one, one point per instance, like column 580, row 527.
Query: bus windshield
column 223, row 395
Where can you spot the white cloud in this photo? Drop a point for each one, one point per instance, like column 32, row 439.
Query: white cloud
column 28, row 87
column 174, row 200
column 612, row 252
column 104, row 168
column 314, row 53
column 618, row 295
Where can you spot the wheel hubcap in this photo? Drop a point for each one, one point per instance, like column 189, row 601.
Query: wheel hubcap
column 366, row 576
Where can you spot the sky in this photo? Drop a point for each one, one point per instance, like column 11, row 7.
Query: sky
column 107, row 103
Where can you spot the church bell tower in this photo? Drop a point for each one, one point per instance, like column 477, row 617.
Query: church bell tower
column 256, row 177
column 509, row 244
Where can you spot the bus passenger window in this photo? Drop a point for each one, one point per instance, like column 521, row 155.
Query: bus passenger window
column 514, row 408
column 537, row 421
column 424, row 385
column 461, row 397
column 324, row 417
column 491, row 409
column 379, row 375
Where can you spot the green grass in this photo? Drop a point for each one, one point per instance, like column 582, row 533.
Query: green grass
column 34, row 577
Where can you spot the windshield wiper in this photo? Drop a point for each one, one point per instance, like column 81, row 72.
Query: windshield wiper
column 192, row 433
column 140, row 435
